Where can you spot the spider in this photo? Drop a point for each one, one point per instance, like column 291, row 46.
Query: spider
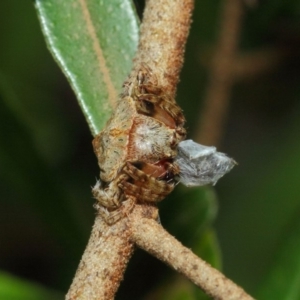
column 118, row 198
column 136, row 149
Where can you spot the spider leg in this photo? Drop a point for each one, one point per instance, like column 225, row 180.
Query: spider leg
column 110, row 196
column 112, row 217
column 144, row 194
column 145, row 187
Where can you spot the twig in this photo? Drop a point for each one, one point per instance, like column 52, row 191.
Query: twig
column 103, row 263
column 150, row 236
column 218, row 92
column 163, row 36
column 250, row 65
column 164, row 31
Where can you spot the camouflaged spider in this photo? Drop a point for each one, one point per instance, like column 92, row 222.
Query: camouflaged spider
column 136, row 149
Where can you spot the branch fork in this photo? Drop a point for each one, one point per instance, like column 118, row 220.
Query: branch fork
column 163, row 36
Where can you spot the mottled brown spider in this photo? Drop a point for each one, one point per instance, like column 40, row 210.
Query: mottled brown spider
column 136, row 149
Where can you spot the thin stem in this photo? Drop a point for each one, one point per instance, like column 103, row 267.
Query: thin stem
column 164, row 33
column 103, row 263
column 256, row 63
column 216, row 103
column 150, row 236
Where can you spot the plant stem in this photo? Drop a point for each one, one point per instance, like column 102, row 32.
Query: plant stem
column 150, row 236
column 163, row 37
column 218, row 92
column 103, row 263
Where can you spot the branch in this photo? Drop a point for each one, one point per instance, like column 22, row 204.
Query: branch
column 103, row 263
column 162, row 42
column 110, row 248
column 164, row 32
column 163, row 35
column 150, row 236
column 218, row 92
column 248, row 66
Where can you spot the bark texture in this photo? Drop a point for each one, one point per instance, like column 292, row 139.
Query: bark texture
column 103, row 263
column 150, row 236
column 163, row 36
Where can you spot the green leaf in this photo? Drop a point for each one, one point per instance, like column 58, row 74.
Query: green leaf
column 282, row 282
column 94, row 42
column 12, row 288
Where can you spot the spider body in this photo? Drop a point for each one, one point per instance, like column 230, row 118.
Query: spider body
column 136, row 149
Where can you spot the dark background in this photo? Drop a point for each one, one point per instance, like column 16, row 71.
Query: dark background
column 47, row 165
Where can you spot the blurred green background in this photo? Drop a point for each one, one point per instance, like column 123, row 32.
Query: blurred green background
column 248, row 225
